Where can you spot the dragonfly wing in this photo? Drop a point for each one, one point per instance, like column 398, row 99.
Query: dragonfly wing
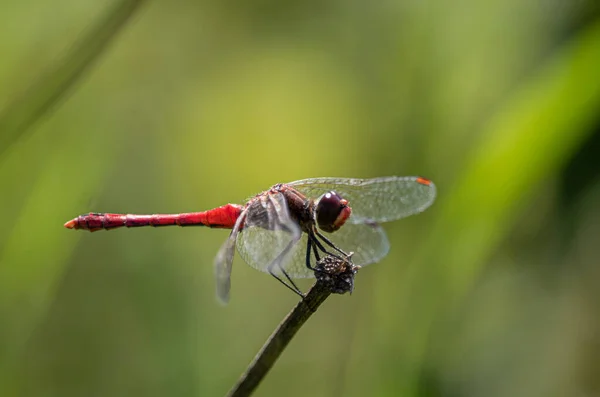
column 224, row 262
column 375, row 200
column 269, row 235
column 368, row 241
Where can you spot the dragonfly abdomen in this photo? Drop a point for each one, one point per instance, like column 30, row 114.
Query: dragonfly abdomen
column 221, row 217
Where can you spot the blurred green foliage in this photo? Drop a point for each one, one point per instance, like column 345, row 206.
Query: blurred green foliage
column 184, row 105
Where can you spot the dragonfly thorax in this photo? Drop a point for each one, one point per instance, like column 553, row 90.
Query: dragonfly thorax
column 331, row 212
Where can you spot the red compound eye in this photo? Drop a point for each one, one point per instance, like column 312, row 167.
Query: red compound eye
column 332, row 212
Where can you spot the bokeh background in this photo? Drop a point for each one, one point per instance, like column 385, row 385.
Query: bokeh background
column 176, row 106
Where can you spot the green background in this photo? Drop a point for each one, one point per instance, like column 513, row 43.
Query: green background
column 176, row 106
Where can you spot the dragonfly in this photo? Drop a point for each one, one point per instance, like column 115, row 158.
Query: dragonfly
column 281, row 230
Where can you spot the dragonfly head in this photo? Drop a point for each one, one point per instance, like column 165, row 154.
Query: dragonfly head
column 332, row 212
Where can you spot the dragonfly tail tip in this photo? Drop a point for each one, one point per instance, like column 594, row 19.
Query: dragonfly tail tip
column 72, row 224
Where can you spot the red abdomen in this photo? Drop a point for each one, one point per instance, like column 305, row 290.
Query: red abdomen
column 221, row 217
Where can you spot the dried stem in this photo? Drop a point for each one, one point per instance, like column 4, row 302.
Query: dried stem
column 277, row 342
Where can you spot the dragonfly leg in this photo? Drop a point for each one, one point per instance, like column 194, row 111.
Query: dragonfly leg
column 294, row 289
column 277, row 262
column 329, row 243
column 308, row 251
column 320, row 246
column 314, row 247
column 311, row 246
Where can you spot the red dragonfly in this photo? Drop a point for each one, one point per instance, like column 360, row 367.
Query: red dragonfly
column 280, row 230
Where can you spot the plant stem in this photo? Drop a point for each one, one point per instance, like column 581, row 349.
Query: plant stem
column 277, row 342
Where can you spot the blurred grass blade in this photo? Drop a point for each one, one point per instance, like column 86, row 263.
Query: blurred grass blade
column 20, row 115
column 526, row 142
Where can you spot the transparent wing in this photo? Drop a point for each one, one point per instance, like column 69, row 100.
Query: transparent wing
column 375, row 200
column 368, row 242
column 224, row 262
column 269, row 235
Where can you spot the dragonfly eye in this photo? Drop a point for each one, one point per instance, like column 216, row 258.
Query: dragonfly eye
column 332, row 212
